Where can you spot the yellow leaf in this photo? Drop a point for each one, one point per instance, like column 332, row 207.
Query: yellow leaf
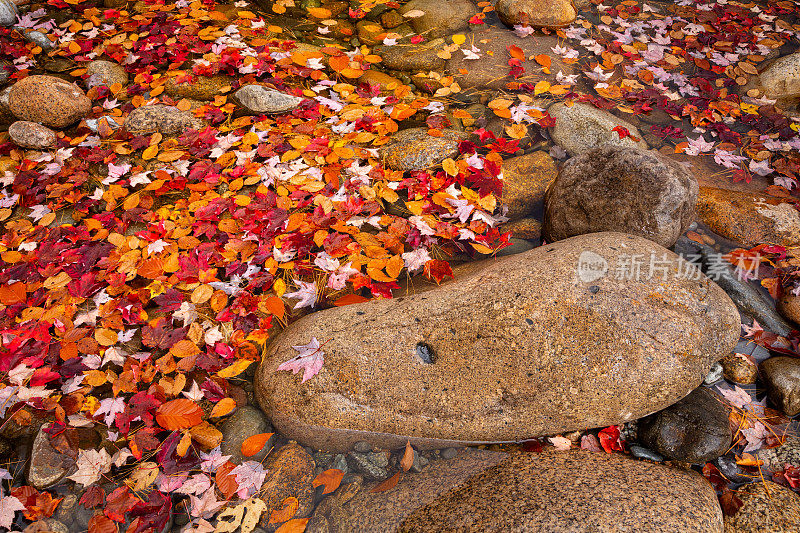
column 459, row 38
column 450, row 166
column 150, row 152
column 541, row 87
column 235, row 369
column 105, row 336
column 223, row 407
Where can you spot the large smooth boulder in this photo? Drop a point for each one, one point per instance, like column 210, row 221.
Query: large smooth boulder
column 48, row 100
column 780, row 80
column 555, row 339
column 621, row 189
column 551, row 14
column 491, row 70
column 570, row 492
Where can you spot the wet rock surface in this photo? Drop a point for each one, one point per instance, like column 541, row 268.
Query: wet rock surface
column 620, row 189
column 525, row 180
column 552, row 14
column 574, row 491
column 441, row 17
column 245, row 422
column 739, row 369
column 197, row 87
column 47, row 466
column 782, row 378
column 415, row 149
column 693, row 430
column 503, row 381
column 290, row 473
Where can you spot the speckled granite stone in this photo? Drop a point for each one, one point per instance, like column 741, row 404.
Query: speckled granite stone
column 290, row 471
column 613, row 188
column 571, row 492
column 414, row 149
column 522, row 347
column 777, row 458
column 581, row 127
column 354, row 508
column 48, row 100
column 552, row 14
column 165, row 119
column 766, row 508
column 32, row 135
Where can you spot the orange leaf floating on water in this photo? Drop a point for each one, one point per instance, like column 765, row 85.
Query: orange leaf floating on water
column 179, row 414
column 330, row 479
column 408, row 457
column 516, row 52
column 298, row 525
column 388, row 484
column 544, row 60
column 255, row 443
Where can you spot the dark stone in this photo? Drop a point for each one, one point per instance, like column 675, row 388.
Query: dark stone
column 694, row 430
column 244, row 423
column 782, row 378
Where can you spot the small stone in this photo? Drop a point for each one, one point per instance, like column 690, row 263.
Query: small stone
column 766, row 506
column 198, row 87
column 40, row 39
column 290, row 471
column 551, row 14
column 362, row 447
column 369, row 32
column 613, row 188
column 449, row 453
column 32, row 135
column 739, row 369
column 782, row 378
column 414, row 149
column 257, row 100
column 106, row 73
column 167, row 120
column 714, row 375
column 340, row 462
column 8, row 13
column 780, row 80
column 366, row 464
column 645, row 453
column 48, row 100
column 244, row 423
column 582, row 127
column 728, row 467
column 694, row 430
column 518, row 246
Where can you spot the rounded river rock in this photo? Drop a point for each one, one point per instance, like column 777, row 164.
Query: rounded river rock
column 522, row 347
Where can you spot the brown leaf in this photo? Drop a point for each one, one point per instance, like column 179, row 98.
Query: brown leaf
column 388, row 484
column 408, row 457
column 286, row 512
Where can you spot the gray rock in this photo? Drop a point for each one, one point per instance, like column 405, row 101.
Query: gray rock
column 340, row 463
column 40, row 39
column 782, row 378
column 582, row 127
column 362, row 447
column 257, row 100
column 714, row 375
column 167, row 120
column 780, row 80
column 728, row 467
column 612, row 188
column 442, row 17
column 8, row 13
column 32, row 135
column 641, row 452
column 47, row 466
column 372, row 465
column 694, row 430
column 243, row 423
column 449, row 453
column 414, row 149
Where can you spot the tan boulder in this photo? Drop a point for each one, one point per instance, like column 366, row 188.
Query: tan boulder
column 556, row 339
